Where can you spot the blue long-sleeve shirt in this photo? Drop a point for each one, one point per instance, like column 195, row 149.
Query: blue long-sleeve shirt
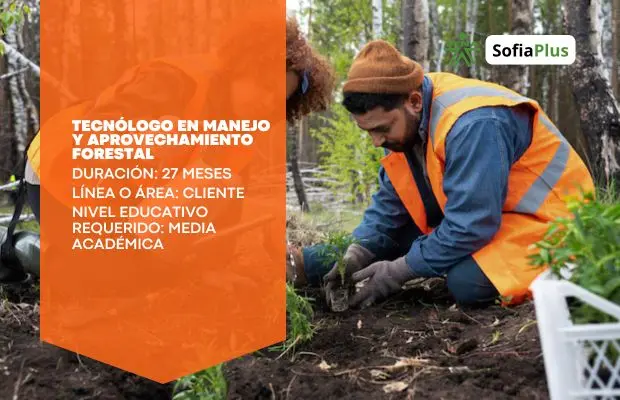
column 480, row 150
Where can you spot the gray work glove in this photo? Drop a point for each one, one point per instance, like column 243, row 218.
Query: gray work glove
column 386, row 279
column 355, row 258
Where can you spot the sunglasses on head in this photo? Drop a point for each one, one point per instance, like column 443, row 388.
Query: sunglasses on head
column 305, row 82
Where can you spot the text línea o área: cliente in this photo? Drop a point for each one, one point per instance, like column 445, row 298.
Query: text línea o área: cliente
column 159, row 192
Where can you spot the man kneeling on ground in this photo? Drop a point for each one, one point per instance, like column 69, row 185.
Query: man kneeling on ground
column 473, row 174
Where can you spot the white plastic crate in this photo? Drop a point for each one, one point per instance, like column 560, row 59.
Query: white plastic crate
column 574, row 355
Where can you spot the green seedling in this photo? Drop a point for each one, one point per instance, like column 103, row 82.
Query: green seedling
column 299, row 313
column 209, row 384
column 336, row 245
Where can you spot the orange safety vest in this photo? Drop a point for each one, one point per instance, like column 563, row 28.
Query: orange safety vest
column 549, row 170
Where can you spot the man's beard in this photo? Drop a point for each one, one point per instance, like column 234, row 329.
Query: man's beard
column 411, row 129
column 395, row 147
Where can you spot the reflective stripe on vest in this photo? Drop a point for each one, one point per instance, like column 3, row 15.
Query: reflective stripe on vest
column 540, row 189
column 454, row 96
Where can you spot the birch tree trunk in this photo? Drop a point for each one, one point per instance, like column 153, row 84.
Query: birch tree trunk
column 19, row 121
column 416, row 31
column 458, row 27
column 435, row 35
column 407, row 24
column 32, row 115
column 516, row 77
column 463, row 69
column 377, row 19
column 615, row 53
column 605, row 21
column 472, row 19
column 598, row 109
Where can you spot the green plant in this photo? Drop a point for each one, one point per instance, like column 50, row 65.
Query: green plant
column 12, row 13
column 299, row 313
column 589, row 241
column 349, row 161
column 209, row 384
column 336, row 244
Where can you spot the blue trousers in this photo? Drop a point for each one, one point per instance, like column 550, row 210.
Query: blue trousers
column 465, row 280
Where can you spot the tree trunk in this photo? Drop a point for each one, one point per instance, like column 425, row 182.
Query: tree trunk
column 377, row 19
column 615, row 53
column 559, row 72
column 605, row 21
column 515, row 77
column 435, row 34
column 18, row 105
column 470, row 27
column 598, row 109
column 532, row 93
column 472, row 36
column 490, row 21
column 293, row 156
column 407, row 24
column 31, row 113
column 458, row 27
column 416, row 31
column 442, row 46
column 463, row 68
column 509, row 5
column 553, row 97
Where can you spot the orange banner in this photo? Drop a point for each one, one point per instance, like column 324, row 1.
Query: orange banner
column 163, row 181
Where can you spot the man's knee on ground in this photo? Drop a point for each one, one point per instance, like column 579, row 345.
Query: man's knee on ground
column 469, row 285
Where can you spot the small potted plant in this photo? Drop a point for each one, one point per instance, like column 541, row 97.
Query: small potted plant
column 336, row 245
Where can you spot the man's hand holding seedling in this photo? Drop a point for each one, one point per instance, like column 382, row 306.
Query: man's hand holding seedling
column 386, row 279
column 355, row 259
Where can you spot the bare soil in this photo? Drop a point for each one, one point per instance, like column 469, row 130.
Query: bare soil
column 32, row 370
column 417, row 344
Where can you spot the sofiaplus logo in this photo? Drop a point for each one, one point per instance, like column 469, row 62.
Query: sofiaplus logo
column 530, row 50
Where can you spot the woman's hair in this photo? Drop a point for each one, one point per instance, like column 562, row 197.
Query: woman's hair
column 301, row 58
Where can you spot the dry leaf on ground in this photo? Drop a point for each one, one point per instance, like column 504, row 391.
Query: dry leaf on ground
column 324, row 365
column 395, row 387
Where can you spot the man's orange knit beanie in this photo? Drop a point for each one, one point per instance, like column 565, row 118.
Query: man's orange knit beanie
column 380, row 68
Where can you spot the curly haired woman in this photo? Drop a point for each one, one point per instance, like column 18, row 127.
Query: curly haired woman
column 309, row 85
column 309, row 77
